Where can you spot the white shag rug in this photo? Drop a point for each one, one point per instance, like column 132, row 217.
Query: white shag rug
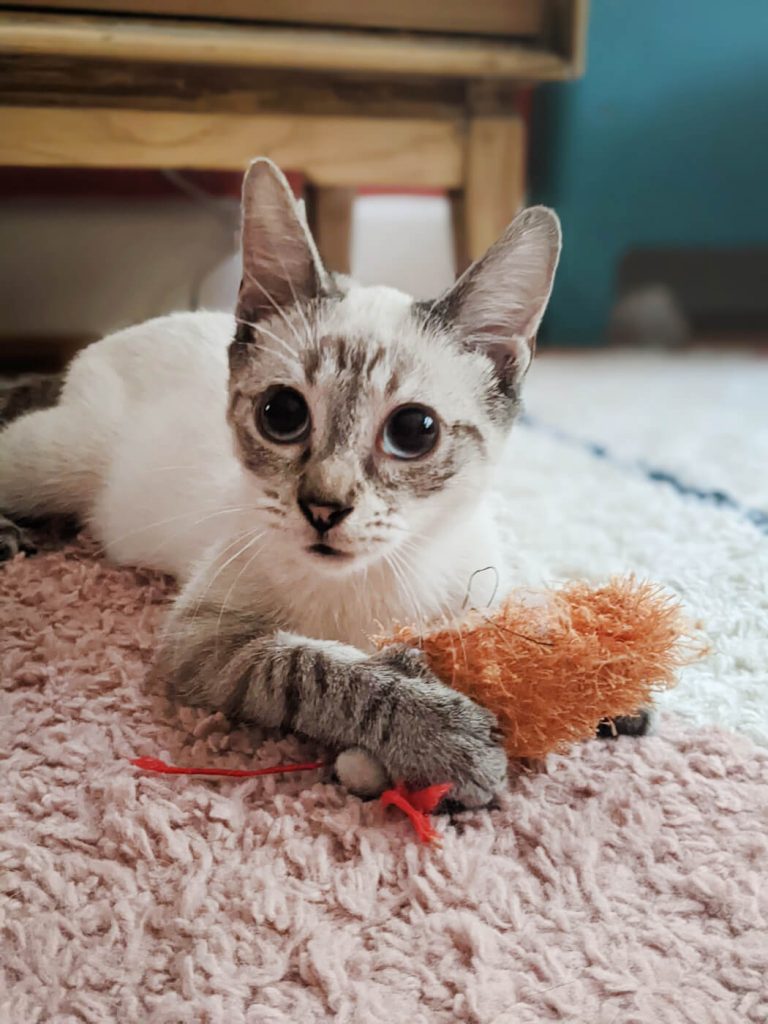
column 658, row 464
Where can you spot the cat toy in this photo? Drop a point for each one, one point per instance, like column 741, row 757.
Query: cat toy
column 551, row 666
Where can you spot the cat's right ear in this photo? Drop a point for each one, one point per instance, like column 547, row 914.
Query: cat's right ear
column 281, row 265
column 497, row 304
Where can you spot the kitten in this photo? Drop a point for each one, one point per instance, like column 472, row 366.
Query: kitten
column 314, row 470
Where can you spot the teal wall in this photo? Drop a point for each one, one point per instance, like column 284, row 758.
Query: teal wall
column 664, row 142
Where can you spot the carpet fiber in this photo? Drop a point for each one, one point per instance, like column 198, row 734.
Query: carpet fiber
column 624, row 883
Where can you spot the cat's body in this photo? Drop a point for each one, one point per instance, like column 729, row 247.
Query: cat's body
column 313, row 470
column 137, row 446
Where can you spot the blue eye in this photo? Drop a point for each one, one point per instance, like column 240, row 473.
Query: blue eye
column 410, row 432
column 283, row 416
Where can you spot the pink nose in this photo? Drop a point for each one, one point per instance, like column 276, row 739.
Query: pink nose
column 322, row 511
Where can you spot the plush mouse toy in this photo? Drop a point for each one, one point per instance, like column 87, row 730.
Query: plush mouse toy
column 551, row 665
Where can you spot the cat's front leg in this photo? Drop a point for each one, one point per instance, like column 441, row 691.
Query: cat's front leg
column 387, row 704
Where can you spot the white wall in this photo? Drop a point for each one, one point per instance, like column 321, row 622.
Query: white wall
column 403, row 241
column 89, row 266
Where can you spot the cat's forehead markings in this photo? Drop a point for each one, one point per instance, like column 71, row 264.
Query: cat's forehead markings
column 374, row 360
column 358, row 357
column 334, row 355
column 338, row 348
column 392, row 384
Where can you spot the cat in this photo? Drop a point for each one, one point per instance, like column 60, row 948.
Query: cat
column 312, row 470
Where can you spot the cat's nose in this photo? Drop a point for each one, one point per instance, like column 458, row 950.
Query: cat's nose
column 323, row 515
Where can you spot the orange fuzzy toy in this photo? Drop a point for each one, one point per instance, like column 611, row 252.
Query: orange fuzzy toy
column 552, row 666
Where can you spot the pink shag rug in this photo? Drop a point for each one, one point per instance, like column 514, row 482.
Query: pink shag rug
column 626, row 883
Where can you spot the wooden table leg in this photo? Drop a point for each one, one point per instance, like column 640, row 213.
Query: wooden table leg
column 494, row 184
column 329, row 212
column 461, row 259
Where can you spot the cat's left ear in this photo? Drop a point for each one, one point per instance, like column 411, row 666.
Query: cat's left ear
column 281, row 265
column 497, row 304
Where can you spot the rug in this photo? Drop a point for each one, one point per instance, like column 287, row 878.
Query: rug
column 622, row 884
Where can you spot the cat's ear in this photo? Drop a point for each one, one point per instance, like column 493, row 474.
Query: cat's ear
column 496, row 306
column 281, row 265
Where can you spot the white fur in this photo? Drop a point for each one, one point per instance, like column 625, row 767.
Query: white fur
column 361, row 773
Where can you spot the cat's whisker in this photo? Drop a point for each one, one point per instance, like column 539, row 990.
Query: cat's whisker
column 291, row 363
column 295, row 297
column 315, row 325
column 404, row 585
column 183, row 531
column 278, row 309
column 236, row 580
column 177, row 518
column 410, row 569
column 289, row 360
column 247, row 534
column 289, row 356
column 450, row 623
column 262, row 329
column 168, row 469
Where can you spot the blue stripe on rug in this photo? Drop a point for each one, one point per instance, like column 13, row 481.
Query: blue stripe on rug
column 756, row 516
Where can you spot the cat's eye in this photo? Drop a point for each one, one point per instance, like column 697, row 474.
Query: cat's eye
column 283, row 416
column 410, row 432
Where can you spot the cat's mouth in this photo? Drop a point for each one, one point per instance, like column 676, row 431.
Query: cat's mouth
column 326, row 551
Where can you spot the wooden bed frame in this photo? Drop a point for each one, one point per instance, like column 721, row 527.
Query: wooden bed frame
column 397, row 94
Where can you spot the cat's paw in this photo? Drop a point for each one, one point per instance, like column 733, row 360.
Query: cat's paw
column 482, row 783
column 14, row 539
column 438, row 735
column 365, row 776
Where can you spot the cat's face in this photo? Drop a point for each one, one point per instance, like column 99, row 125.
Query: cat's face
column 364, row 427
column 366, row 421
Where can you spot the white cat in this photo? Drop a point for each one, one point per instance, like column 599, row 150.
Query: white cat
column 313, row 470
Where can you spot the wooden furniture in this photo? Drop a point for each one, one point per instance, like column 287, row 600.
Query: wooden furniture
column 403, row 93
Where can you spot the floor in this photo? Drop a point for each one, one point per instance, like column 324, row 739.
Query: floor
column 702, row 413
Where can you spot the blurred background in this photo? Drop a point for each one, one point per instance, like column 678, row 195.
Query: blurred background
column 414, row 136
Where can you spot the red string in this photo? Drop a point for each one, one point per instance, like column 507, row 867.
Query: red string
column 154, row 764
column 426, row 800
column 417, row 805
